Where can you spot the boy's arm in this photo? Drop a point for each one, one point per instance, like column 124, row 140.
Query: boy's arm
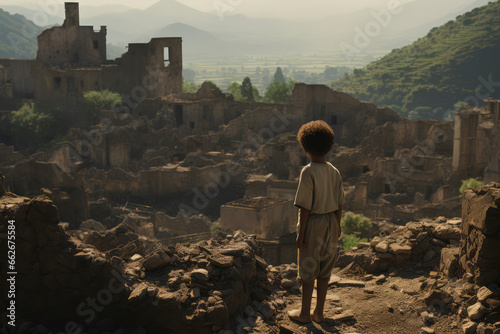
column 338, row 213
column 303, row 216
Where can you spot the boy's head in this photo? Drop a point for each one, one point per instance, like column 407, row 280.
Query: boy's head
column 316, row 137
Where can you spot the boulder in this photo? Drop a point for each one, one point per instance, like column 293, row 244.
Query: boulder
column 480, row 230
column 484, row 293
column 156, row 260
column 92, row 225
column 449, row 261
column 476, row 311
column 121, row 241
column 397, row 249
column 469, row 327
column 446, row 232
column 382, row 247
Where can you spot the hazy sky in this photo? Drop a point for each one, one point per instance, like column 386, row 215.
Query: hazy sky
column 287, row 9
column 255, row 8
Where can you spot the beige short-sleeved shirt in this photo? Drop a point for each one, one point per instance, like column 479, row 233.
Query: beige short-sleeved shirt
column 320, row 188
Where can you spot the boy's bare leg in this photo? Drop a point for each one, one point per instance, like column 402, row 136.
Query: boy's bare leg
column 322, row 289
column 304, row 315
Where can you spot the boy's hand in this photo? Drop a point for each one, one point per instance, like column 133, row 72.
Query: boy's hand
column 300, row 242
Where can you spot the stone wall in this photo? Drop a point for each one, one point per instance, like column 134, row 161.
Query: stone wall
column 480, row 246
column 72, row 43
column 350, row 119
column 268, row 218
column 20, row 76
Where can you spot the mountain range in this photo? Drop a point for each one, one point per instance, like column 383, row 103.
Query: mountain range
column 454, row 63
column 238, row 34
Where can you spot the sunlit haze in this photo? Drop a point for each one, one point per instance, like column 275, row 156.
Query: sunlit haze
column 254, row 8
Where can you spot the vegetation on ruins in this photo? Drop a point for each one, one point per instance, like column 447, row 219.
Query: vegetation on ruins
column 215, row 227
column 96, row 101
column 189, row 87
column 32, row 126
column 470, row 183
column 244, row 91
column 356, row 228
column 427, row 77
column 279, row 92
column 353, row 223
column 350, row 240
column 212, row 84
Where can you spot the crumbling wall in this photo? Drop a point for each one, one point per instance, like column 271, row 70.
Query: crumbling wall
column 31, row 177
column 282, row 156
column 350, row 119
column 480, row 244
column 72, row 43
column 109, row 282
column 143, row 71
column 9, row 155
column 20, row 76
column 264, row 123
column 472, row 148
column 64, row 88
column 56, row 273
column 5, row 85
column 268, row 218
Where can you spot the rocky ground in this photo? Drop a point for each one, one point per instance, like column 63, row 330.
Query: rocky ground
column 408, row 281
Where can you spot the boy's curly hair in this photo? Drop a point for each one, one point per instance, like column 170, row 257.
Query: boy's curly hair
column 316, row 137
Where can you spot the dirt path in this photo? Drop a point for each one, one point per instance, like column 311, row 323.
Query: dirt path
column 393, row 306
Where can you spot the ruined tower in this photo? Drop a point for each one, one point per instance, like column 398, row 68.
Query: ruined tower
column 71, row 44
column 72, row 14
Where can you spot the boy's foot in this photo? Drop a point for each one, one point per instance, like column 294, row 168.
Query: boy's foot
column 296, row 316
column 317, row 318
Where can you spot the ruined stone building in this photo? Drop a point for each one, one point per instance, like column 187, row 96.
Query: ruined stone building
column 350, row 118
column 476, row 148
column 71, row 60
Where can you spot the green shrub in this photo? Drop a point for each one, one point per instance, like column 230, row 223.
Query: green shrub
column 32, row 126
column 95, row 101
column 353, row 223
column 350, row 240
column 215, row 227
column 470, row 183
column 189, row 87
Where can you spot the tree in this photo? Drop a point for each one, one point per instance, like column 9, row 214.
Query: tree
column 32, row 126
column 96, row 101
column 278, row 76
column 247, row 90
column 256, row 94
column 189, row 87
column 279, row 92
column 234, row 88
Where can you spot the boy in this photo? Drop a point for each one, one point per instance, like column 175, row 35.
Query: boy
column 320, row 197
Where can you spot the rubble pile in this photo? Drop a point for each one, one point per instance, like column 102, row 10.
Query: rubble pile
column 109, row 282
column 421, row 242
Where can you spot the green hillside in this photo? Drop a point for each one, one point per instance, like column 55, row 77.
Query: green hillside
column 437, row 71
column 17, row 36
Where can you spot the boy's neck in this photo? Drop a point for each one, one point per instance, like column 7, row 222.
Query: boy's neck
column 318, row 159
